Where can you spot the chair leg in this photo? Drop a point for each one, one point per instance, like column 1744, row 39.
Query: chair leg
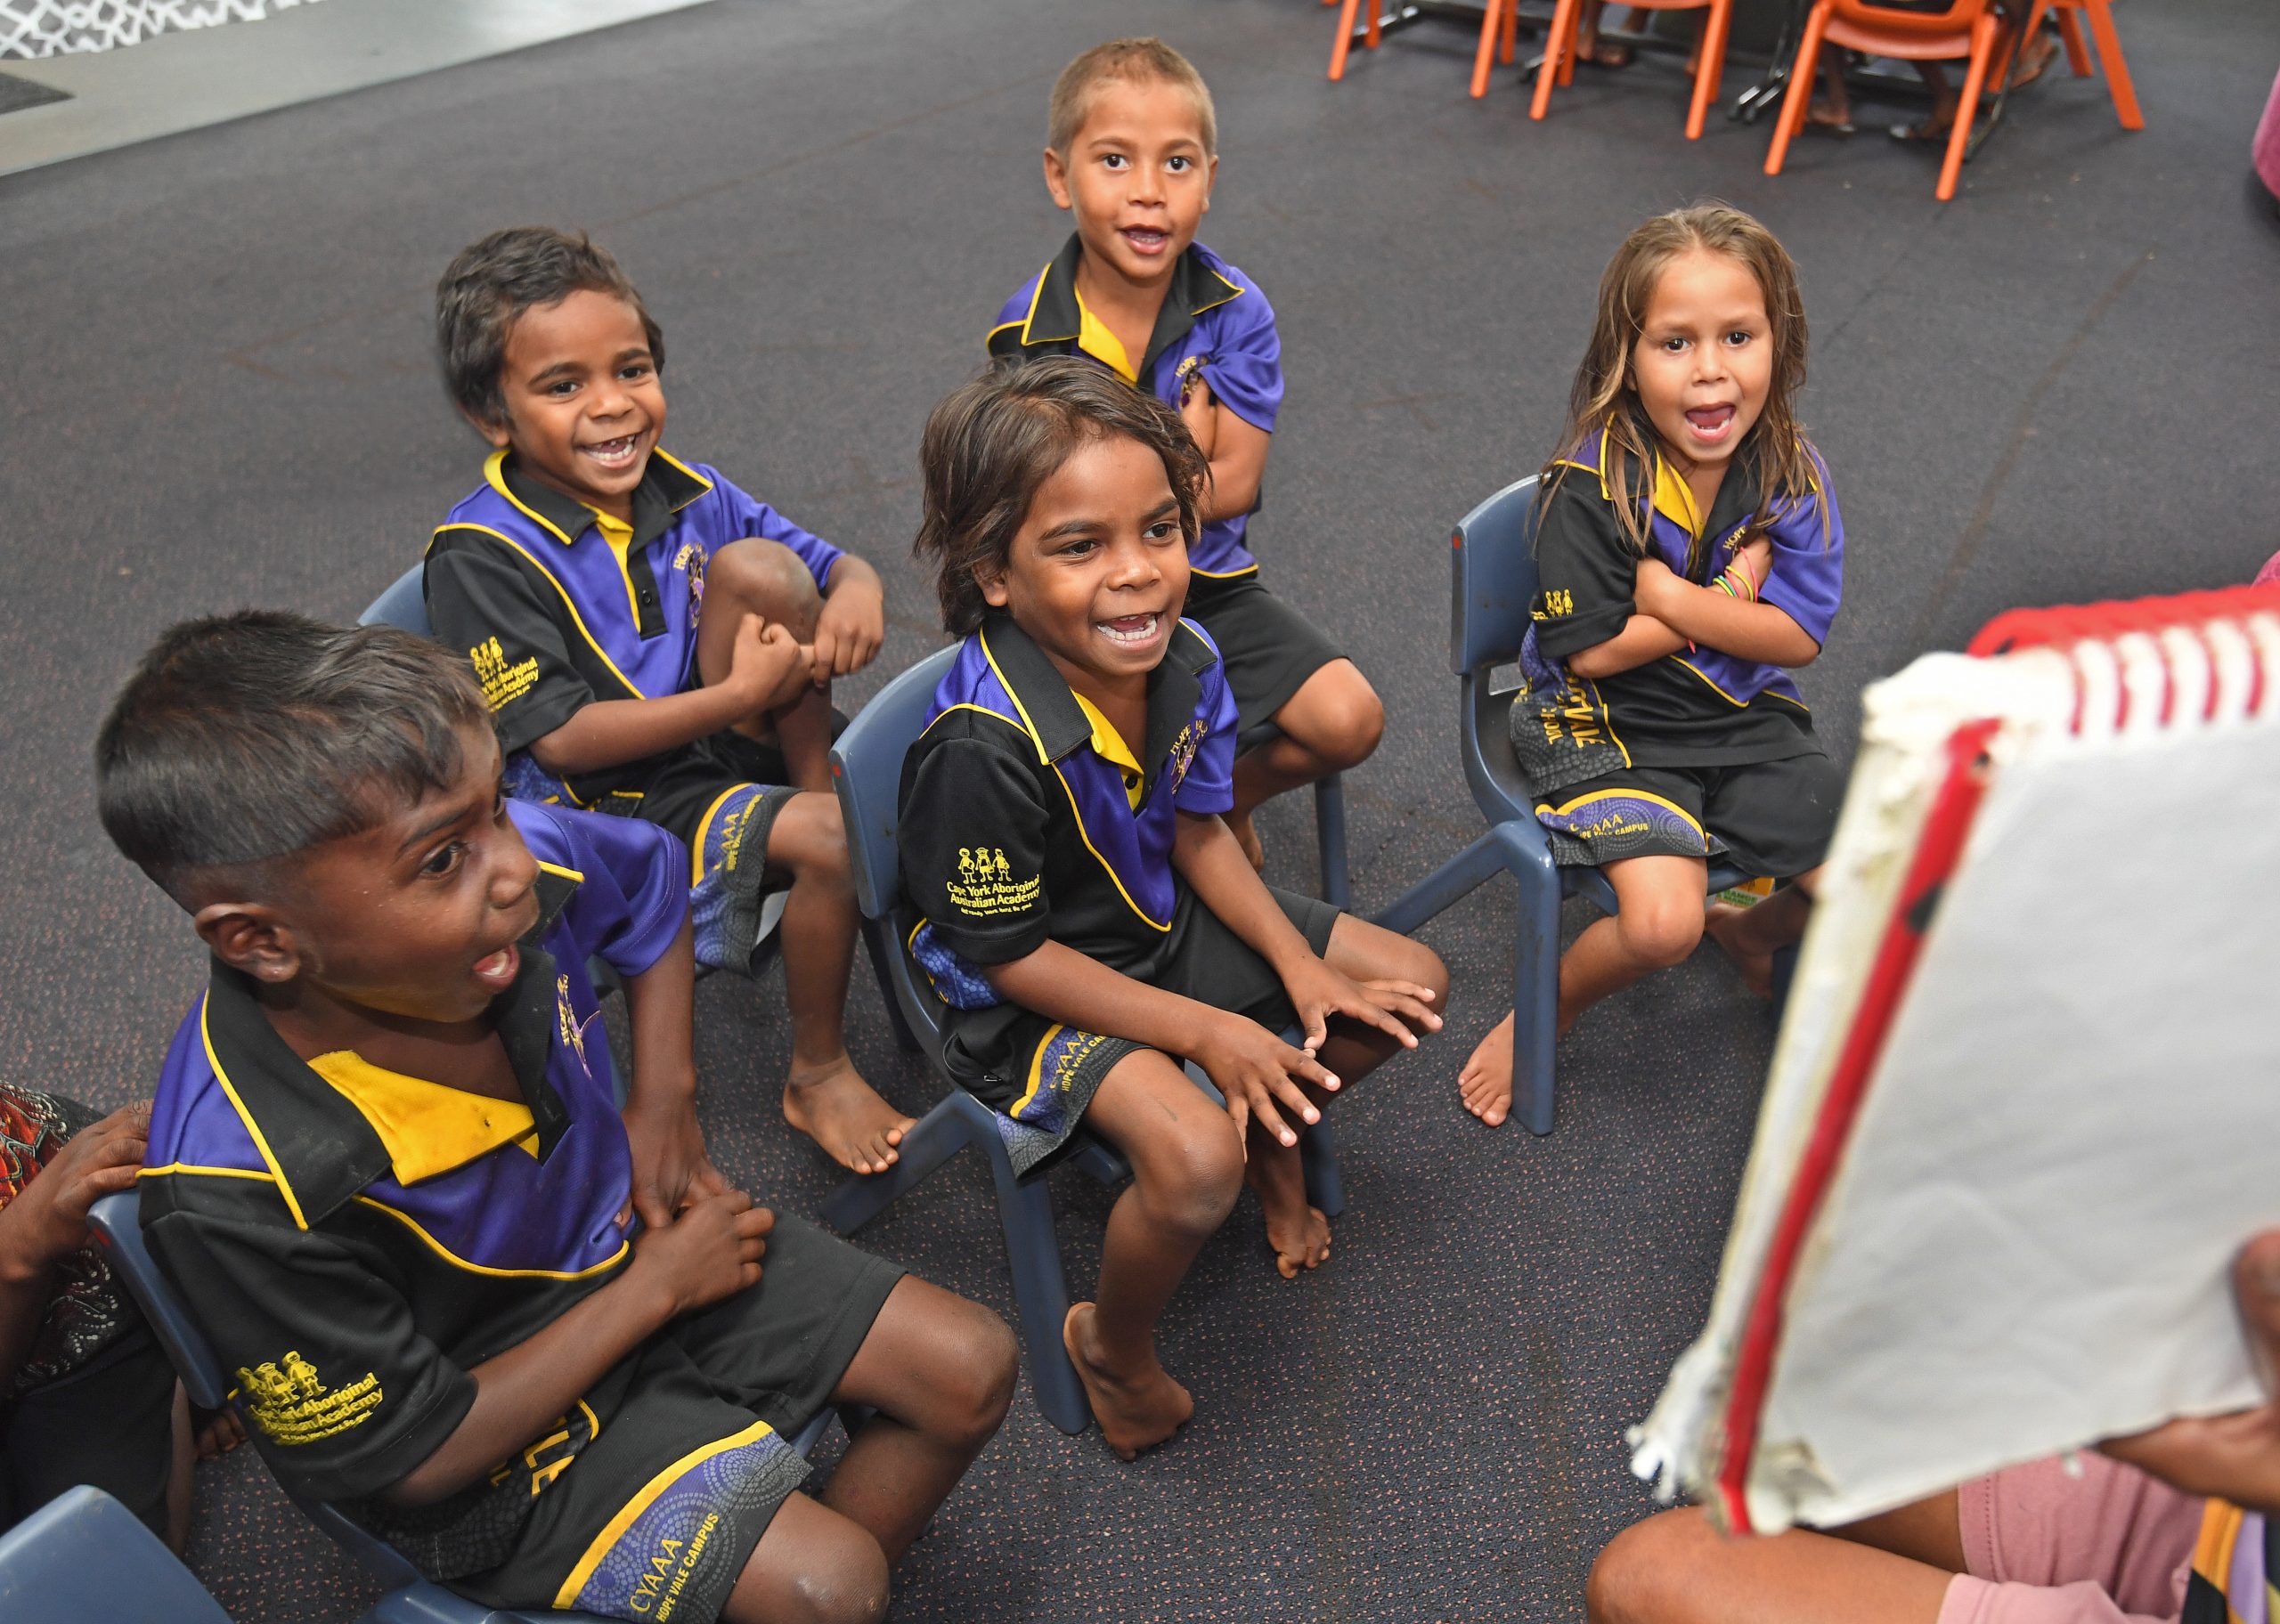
column 875, row 943
column 2078, row 50
column 1318, row 1153
column 1041, row 1290
column 1330, row 842
column 1444, row 887
column 936, row 1137
column 1345, row 40
column 2117, row 71
column 1711, row 67
column 1558, row 45
column 1491, row 26
column 1983, row 50
column 1535, row 990
column 1797, row 96
column 1511, row 47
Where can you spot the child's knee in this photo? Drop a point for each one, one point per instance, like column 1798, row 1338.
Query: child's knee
column 843, row 1581
column 978, row 1363
column 1660, row 931
column 811, row 837
column 1191, row 1176
column 766, row 579
column 1640, row 1576
column 1347, row 719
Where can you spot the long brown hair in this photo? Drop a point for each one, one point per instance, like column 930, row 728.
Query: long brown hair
column 1605, row 395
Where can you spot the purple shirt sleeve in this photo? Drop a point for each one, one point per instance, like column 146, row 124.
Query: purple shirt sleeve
column 633, row 892
column 1808, row 579
column 1245, row 369
column 746, row 515
column 1210, row 787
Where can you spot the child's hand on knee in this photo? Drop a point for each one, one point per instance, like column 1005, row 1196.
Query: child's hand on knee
column 767, row 669
column 1258, row 1071
column 849, row 630
column 712, row 1250
column 1398, row 1009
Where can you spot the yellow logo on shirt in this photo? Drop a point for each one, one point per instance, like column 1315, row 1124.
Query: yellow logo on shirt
column 1183, row 749
column 986, row 886
column 1558, row 602
column 502, row 684
column 290, row 1403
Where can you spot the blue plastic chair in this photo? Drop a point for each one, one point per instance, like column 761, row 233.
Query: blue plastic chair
column 866, row 768
column 1494, row 581
column 117, row 1225
column 85, row 1557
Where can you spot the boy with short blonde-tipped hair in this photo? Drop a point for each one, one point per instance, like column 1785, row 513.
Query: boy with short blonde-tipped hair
column 1132, row 153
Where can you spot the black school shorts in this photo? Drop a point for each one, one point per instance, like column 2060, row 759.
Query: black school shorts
column 1269, row 648
column 625, row 1534
column 1772, row 819
column 1038, row 1076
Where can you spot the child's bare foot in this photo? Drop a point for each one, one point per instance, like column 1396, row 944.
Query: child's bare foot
column 1239, row 825
column 1486, row 1083
column 1299, row 1234
column 832, row 1105
column 1135, row 1412
column 1724, row 921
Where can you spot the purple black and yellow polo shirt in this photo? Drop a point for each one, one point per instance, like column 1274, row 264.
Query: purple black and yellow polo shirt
column 558, row 604
column 1214, row 319
column 1693, row 707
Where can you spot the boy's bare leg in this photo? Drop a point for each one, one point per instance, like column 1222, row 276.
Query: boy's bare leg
column 1658, row 923
column 825, row 1096
column 812, row 1566
column 768, row 579
column 1299, row 1232
column 1752, row 936
column 1186, row 1168
column 940, row 1372
column 1675, row 1569
column 1331, row 724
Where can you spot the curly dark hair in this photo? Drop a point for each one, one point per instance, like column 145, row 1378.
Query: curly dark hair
column 493, row 283
column 991, row 445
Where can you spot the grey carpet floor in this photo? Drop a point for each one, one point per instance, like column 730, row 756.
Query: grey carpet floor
column 219, row 392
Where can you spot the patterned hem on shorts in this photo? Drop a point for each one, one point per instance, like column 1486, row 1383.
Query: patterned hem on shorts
column 1609, row 825
column 735, row 897
column 685, row 1539
column 1065, row 1071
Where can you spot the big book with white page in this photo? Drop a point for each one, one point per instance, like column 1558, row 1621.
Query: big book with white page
column 2026, row 1103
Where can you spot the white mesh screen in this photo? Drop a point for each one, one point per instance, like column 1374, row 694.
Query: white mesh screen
column 50, row 28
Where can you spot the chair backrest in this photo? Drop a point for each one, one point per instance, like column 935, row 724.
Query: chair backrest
column 867, row 770
column 1495, row 578
column 1960, row 18
column 403, row 606
column 84, row 1556
column 116, row 1222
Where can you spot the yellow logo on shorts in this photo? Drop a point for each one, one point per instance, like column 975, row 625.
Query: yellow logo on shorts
column 290, row 1403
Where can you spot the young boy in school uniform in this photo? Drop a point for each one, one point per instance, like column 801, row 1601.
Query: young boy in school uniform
column 1084, row 910
column 389, row 1179
column 1132, row 153
column 576, row 581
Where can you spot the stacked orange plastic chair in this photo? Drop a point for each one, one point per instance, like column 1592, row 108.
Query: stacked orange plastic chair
column 2077, row 55
column 1967, row 28
column 1491, row 25
column 1559, row 51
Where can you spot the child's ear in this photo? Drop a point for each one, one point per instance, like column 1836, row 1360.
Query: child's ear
column 250, row 936
column 992, row 582
column 499, row 435
column 1056, row 178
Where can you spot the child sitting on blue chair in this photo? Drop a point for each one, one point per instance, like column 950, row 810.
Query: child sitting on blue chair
column 1086, row 914
column 1688, row 549
column 402, row 1203
column 652, row 641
